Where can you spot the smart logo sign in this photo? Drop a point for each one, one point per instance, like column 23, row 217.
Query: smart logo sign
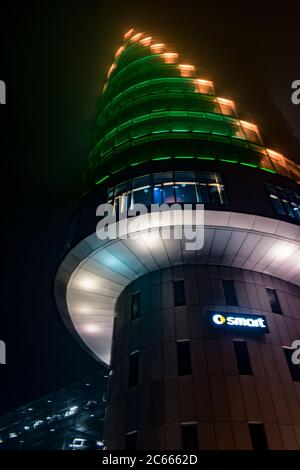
column 254, row 324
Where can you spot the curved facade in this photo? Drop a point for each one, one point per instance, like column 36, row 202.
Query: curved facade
column 144, row 306
column 209, row 393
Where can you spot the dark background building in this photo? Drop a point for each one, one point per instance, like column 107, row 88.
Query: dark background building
column 54, row 421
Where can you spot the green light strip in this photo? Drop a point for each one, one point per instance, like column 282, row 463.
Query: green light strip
column 102, row 179
column 249, row 164
column 133, row 64
column 206, row 158
column 138, row 163
column 228, row 161
column 187, row 157
column 161, row 158
column 142, row 84
column 150, row 116
column 267, row 169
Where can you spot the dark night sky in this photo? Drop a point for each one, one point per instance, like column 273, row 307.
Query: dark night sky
column 53, row 61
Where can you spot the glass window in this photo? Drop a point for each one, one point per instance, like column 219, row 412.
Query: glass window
column 180, row 126
column 273, row 299
column 141, row 181
column 185, row 192
column 141, row 196
column 258, row 436
column 293, row 368
column 203, row 194
column 135, row 305
column 133, row 371
column 227, row 109
column 216, row 192
column 157, row 195
column 189, row 437
column 208, row 177
column 120, row 205
column 179, row 293
column 229, row 292
column 165, row 177
column 168, row 193
column 140, row 130
column 242, row 357
column 184, row 176
column 285, row 201
column 277, row 204
column 184, row 363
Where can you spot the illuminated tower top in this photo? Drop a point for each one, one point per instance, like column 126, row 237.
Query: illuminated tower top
column 155, row 107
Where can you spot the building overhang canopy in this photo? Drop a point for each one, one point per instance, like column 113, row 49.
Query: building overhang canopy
column 95, row 272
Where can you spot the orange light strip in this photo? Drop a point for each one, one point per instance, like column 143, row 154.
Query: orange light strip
column 201, row 81
column 157, row 48
column 136, row 37
column 186, row 70
column 119, row 51
column 112, row 67
column 276, row 156
column 250, row 126
column 128, row 34
column 146, row 41
column 226, row 102
column 170, row 57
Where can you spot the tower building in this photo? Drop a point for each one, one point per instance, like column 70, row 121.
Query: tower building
column 198, row 340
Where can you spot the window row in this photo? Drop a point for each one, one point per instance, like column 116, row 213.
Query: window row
column 285, row 201
column 156, row 85
column 189, row 437
column 178, row 122
column 229, row 294
column 168, row 188
column 136, row 75
column 162, row 102
column 184, row 361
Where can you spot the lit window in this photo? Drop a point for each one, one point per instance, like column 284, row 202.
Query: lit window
column 170, row 57
column 157, row 48
column 146, row 41
column 185, row 192
column 227, row 107
column 204, row 86
column 136, row 37
column 285, row 201
column 128, row 34
column 186, row 70
column 251, row 132
column 119, row 51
